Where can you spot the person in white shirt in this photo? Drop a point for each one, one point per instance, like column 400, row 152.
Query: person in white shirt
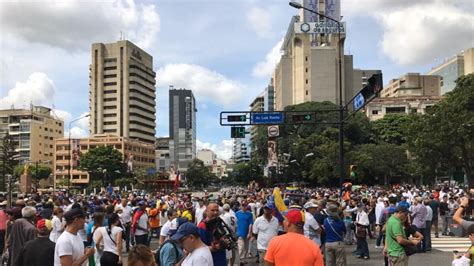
column 265, row 227
column 58, row 225
column 172, row 215
column 69, row 248
column 429, row 218
column 112, row 239
column 198, row 252
column 362, row 221
column 142, row 225
column 199, row 213
column 311, row 228
column 231, row 221
column 125, row 213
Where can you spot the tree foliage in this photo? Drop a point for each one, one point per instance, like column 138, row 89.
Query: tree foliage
column 103, row 163
column 37, row 172
column 7, row 158
column 199, row 175
column 245, row 172
column 443, row 138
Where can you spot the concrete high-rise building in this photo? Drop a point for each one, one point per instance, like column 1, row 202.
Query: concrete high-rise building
column 412, row 84
column 182, row 117
column 269, row 97
column 309, row 66
column 379, row 107
column 122, row 91
column 162, row 153
column 241, row 150
column 207, row 156
column 33, row 132
column 257, row 105
column 453, row 68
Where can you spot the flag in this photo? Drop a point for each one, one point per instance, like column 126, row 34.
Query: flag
column 176, row 180
column 277, row 205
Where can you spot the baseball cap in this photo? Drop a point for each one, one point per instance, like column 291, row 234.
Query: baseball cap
column 310, row 204
column 44, row 225
column 185, row 230
column 402, row 209
column 73, row 214
column 141, row 203
column 295, row 217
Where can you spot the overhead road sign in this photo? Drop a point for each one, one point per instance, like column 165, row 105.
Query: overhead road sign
column 236, row 118
column 267, row 118
column 359, row 101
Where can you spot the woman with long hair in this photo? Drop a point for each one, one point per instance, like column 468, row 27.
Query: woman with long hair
column 58, row 225
column 111, row 236
column 92, row 236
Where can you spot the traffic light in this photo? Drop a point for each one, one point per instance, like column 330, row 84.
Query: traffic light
column 374, row 86
column 237, row 132
column 302, row 118
column 353, row 169
column 236, row 118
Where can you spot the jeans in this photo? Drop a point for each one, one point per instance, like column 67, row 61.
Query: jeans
column 427, row 235
column 447, row 220
column 422, row 247
column 335, row 254
column 109, row 259
column 380, row 239
column 362, row 247
column 261, row 256
column 126, row 235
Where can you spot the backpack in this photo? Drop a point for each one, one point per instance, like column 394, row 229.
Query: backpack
column 175, row 248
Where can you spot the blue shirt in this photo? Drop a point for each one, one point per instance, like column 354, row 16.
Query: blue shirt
column 330, row 225
column 169, row 256
column 404, row 203
column 244, row 220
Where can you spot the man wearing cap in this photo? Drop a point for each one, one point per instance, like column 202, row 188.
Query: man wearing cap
column 207, row 236
column 312, row 230
column 170, row 251
column 419, row 214
column 265, row 227
column 293, row 248
column 198, row 252
column 23, row 230
column 40, row 247
column 231, row 221
column 395, row 237
column 244, row 229
column 335, row 230
column 69, row 248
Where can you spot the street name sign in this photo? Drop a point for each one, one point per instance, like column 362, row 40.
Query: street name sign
column 267, row 118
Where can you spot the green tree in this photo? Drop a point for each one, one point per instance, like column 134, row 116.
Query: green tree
column 245, row 172
column 103, row 163
column 199, row 175
column 443, row 138
column 38, row 173
column 392, row 128
column 7, row 158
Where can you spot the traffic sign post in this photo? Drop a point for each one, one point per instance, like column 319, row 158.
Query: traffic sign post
column 273, row 131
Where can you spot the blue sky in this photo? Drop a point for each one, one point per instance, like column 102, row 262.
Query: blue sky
column 224, row 50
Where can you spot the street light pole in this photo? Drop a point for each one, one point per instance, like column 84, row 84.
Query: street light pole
column 341, row 106
column 69, row 148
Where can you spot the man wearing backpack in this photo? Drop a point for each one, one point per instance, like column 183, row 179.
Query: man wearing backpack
column 170, row 251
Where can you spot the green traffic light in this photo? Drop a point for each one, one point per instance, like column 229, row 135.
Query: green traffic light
column 307, row 117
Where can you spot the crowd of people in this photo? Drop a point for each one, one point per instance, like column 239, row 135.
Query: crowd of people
column 281, row 226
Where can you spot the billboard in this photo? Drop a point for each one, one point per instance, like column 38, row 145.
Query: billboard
column 75, row 152
column 272, row 154
column 333, row 9
column 310, row 16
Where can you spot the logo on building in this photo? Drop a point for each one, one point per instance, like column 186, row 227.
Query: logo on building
column 136, row 54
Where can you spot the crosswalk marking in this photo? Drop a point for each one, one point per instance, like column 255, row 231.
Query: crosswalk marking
column 450, row 243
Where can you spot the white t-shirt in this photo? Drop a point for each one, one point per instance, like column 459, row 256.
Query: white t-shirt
column 199, row 214
column 265, row 230
column 57, row 227
column 165, row 229
column 68, row 245
column 126, row 216
column 163, row 218
column 142, row 223
column 108, row 243
column 199, row 257
column 310, row 227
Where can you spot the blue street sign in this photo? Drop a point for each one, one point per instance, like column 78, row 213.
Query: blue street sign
column 267, row 118
column 358, row 101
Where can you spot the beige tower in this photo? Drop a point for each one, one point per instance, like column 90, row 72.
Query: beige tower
column 122, row 91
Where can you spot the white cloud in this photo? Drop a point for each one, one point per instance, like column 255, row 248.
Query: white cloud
column 75, row 24
column 417, row 32
column 260, row 21
column 77, row 132
column 206, row 84
column 223, row 150
column 264, row 69
column 38, row 89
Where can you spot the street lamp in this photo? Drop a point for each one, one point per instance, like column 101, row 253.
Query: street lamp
column 341, row 106
column 69, row 144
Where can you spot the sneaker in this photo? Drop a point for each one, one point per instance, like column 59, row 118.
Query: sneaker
column 366, row 258
column 378, row 247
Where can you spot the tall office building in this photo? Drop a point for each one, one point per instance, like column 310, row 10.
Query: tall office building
column 309, row 66
column 453, row 68
column 269, row 97
column 257, row 105
column 182, row 127
column 122, row 91
column 241, row 150
column 33, row 132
